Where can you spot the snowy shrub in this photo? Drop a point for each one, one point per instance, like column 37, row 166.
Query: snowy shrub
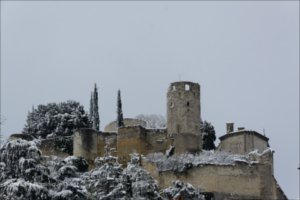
column 23, row 159
column 70, row 189
column 182, row 191
column 19, row 189
column 81, row 163
column 183, row 162
column 65, row 144
column 55, row 119
column 104, row 181
column 143, row 184
column 23, row 172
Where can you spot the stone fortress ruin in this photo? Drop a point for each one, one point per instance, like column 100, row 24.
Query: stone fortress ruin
column 238, row 181
column 183, row 132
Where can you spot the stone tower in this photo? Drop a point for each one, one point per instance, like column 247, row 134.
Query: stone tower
column 183, row 116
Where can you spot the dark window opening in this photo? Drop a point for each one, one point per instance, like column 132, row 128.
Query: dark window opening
column 188, row 103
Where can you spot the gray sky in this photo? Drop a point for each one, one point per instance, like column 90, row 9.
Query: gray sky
column 245, row 56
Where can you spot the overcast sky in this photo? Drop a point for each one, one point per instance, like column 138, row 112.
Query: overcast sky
column 245, row 56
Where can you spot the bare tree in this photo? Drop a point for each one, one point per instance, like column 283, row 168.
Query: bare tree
column 153, row 120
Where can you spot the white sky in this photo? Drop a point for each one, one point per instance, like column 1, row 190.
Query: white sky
column 245, row 56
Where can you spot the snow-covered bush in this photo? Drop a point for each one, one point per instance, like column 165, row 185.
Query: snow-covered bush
column 70, row 189
column 104, row 181
column 183, row 162
column 25, row 174
column 19, row 189
column 65, row 144
column 143, row 184
column 56, row 119
column 182, row 191
column 23, row 159
column 23, row 171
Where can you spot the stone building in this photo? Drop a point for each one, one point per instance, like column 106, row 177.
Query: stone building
column 183, row 132
column 242, row 141
column 240, row 181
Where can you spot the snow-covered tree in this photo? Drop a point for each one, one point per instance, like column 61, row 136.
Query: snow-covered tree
column 153, row 121
column 70, row 184
column 26, row 175
column 91, row 114
column 120, row 120
column 23, row 171
column 96, row 118
column 105, row 181
column 208, row 135
column 142, row 183
column 179, row 190
column 56, row 119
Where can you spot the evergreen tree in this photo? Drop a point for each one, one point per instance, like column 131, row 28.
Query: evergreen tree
column 91, row 114
column 96, row 118
column 208, row 136
column 120, row 121
column 55, row 119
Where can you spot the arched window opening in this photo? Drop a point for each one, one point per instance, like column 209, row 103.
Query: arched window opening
column 187, row 87
column 188, row 103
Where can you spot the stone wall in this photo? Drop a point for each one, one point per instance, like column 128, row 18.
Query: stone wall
column 89, row 144
column 157, row 140
column 131, row 139
column 240, row 181
column 48, row 149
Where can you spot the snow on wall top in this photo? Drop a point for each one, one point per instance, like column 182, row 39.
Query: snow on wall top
column 183, row 162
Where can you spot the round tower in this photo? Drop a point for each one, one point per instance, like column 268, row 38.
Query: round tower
column 183, row 116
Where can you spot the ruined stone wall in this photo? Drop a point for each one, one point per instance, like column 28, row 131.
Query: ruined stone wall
column 157, row 140
column 240, row 181
column 130, row 139
column 89, row 144
column 48, row 149
column 183, row 113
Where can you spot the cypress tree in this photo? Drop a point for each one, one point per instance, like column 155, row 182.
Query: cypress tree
column 119, row 111
column 96, row 118
column 208, row 135
column 91, row 114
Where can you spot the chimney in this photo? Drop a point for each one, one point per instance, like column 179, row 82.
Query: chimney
column 241, row 128
column 229, row 127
